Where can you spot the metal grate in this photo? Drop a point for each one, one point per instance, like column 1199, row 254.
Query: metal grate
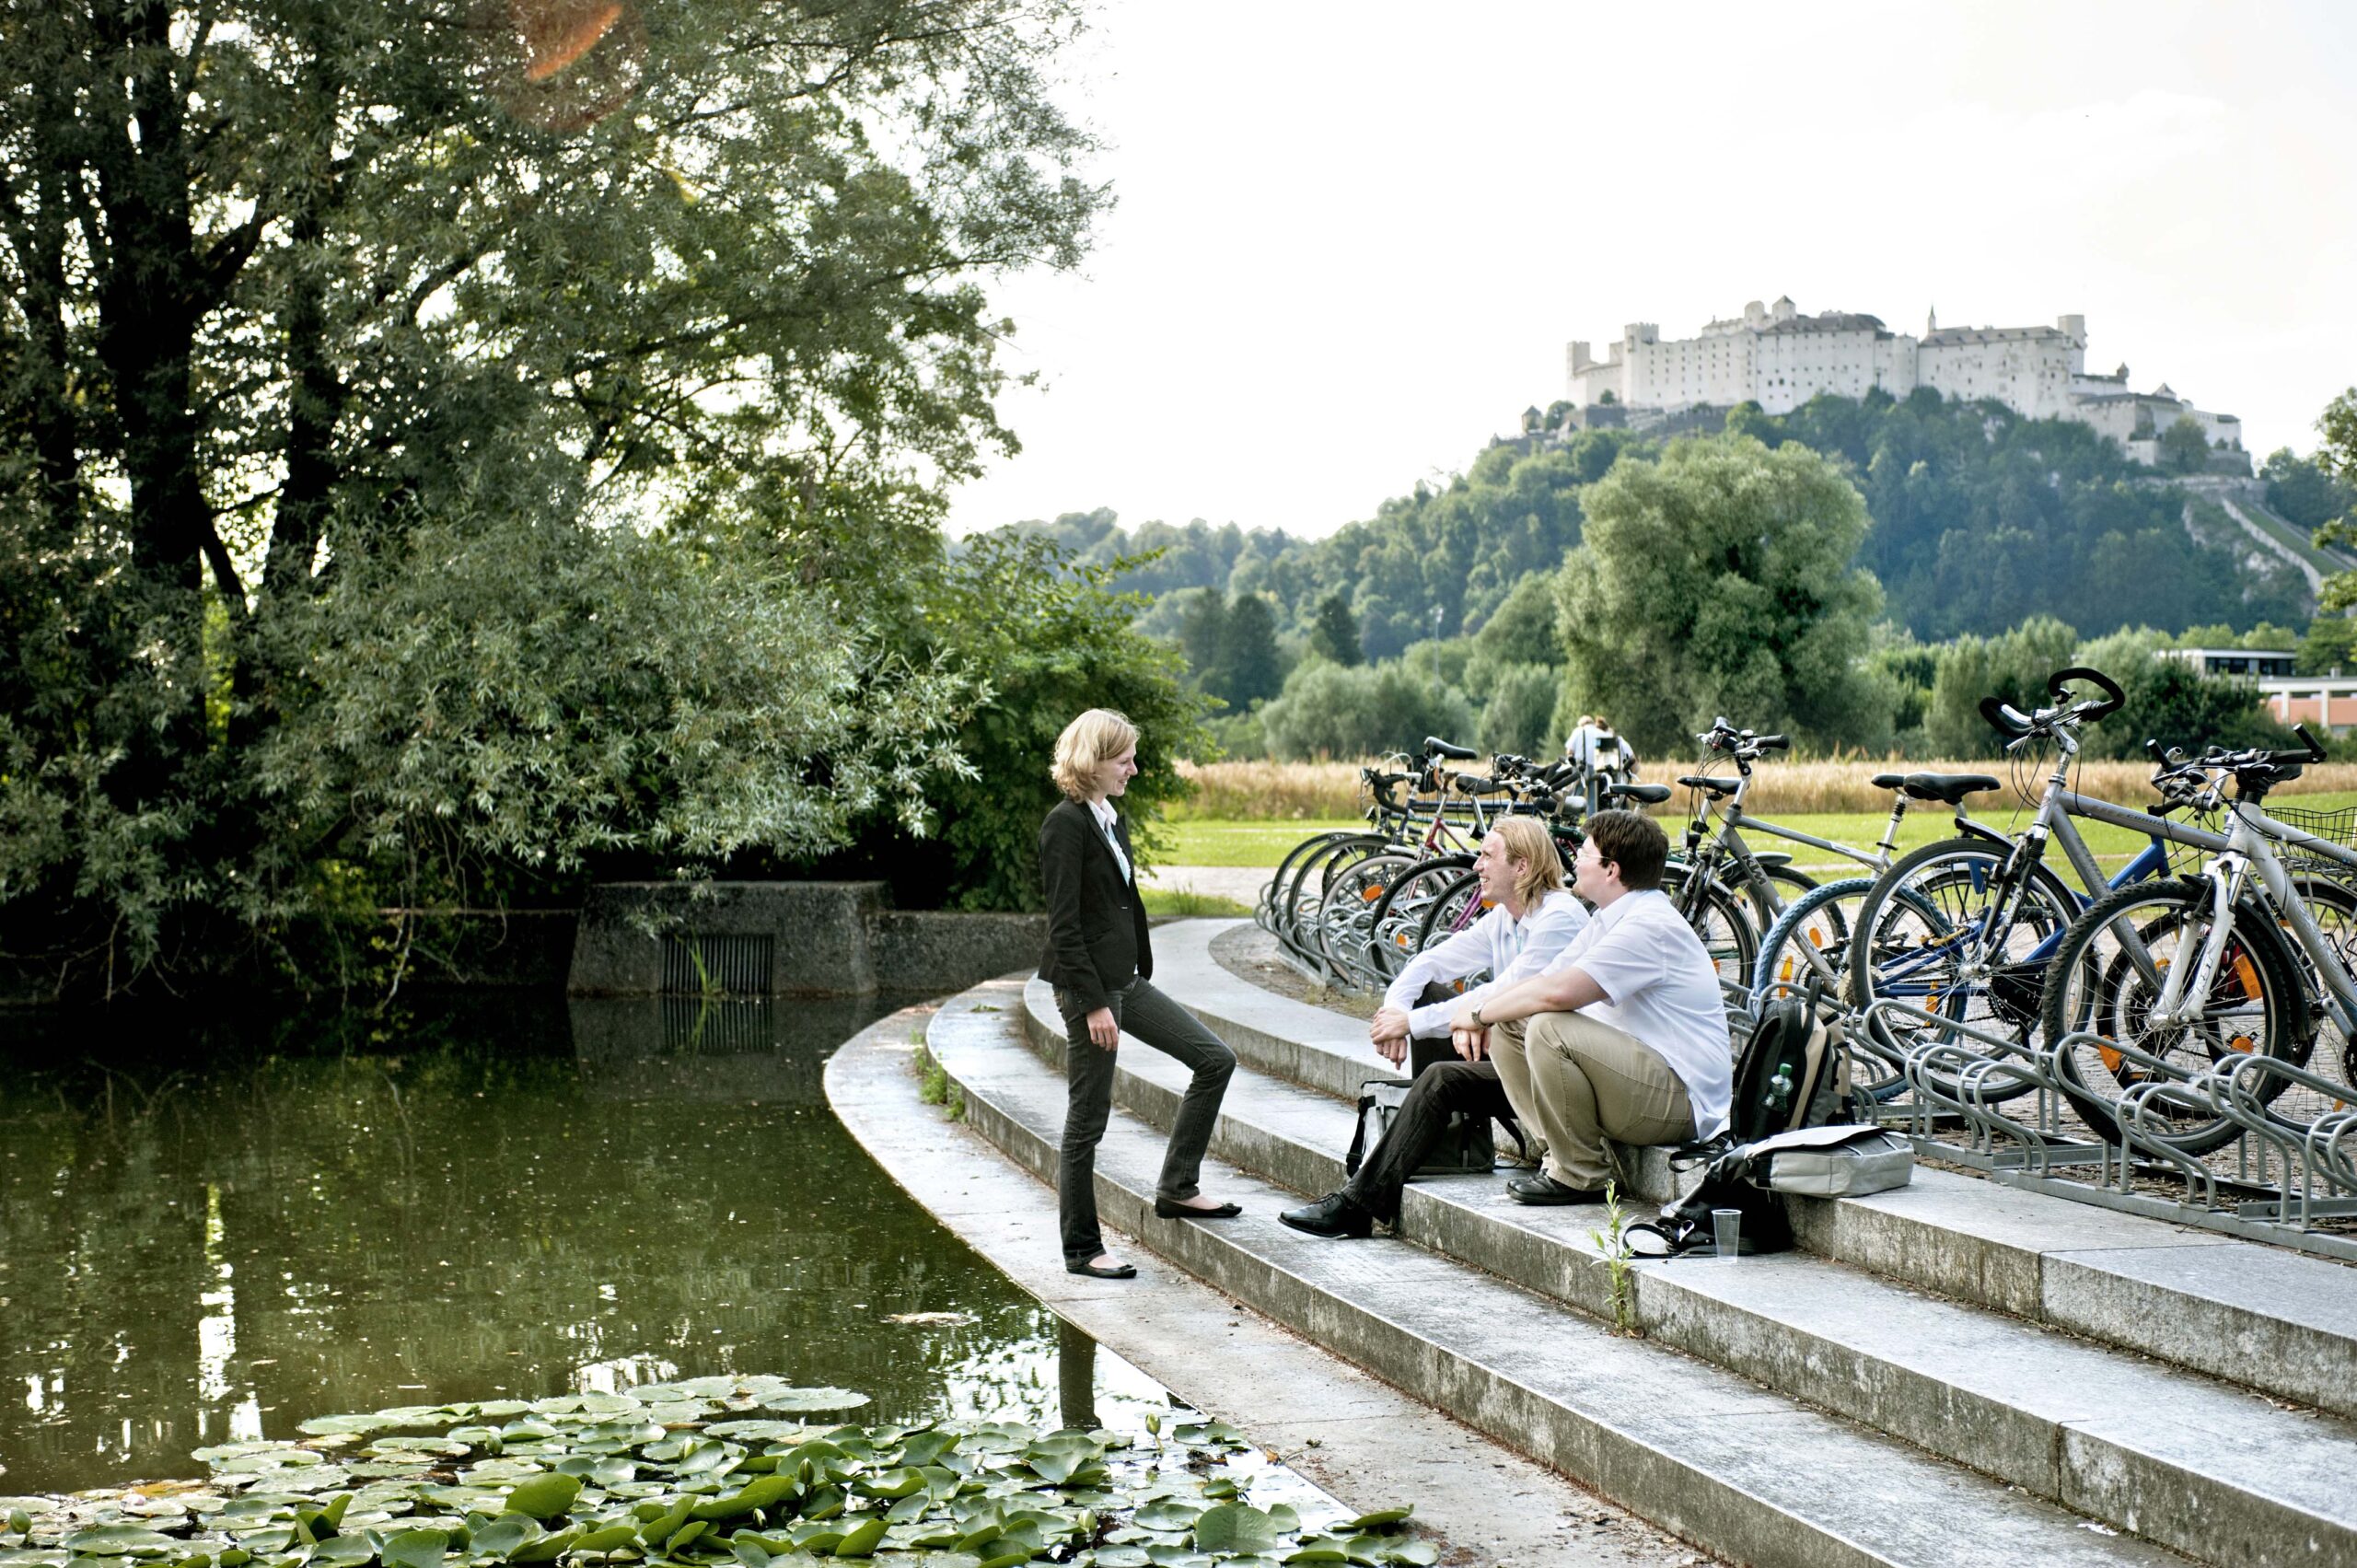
column 703, row 1026
column 700, row 963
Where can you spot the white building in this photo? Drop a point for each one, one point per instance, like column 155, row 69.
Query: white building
column 1777, row 357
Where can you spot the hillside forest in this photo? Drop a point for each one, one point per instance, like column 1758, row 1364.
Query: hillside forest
column 1843, row 571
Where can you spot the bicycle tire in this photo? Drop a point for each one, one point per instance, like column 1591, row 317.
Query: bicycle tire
column 1307, row 891
column 1346, row 916
column 1719, row 918
column 1272, row 891
column 1955, row 967
column 1399, row 914
column 1792, row 886
column 1825, row 918
column 2256, row 1003
column 1442, row 919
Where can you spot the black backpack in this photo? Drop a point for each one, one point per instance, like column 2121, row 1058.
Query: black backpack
column 1793, row 1071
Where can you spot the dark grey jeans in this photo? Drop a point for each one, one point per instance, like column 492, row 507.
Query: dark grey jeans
column 1148, row 1015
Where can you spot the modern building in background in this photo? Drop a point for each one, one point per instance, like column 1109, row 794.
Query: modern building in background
column 1779, row 358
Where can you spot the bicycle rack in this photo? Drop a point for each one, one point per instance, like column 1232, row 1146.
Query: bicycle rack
column 2271, row 1182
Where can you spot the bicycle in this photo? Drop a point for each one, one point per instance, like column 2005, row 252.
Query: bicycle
column 1964, row 929
column 2162, row 982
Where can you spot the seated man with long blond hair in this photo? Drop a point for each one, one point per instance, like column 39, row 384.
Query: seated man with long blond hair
column 1530, row 920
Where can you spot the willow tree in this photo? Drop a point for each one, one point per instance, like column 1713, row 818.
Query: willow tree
column 455, row 440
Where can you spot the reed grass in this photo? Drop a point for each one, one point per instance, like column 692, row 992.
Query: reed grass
column 1262, row 792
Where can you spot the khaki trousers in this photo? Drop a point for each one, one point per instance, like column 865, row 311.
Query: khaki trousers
column 1578, row 1081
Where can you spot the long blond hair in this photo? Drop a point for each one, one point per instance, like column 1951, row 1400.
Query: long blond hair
column 1528, row 839
column 1086, row 745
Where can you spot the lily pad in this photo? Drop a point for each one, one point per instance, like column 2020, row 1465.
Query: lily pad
column 416, row 1549
column 1168, row 1513
column 1235, row 1528
column 545, row 1496
column 1382, row 1518
column 120, row 1540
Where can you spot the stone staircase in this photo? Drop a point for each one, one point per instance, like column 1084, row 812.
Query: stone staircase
column 1953, row 1372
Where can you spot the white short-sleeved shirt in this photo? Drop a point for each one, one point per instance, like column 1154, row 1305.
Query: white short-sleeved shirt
column 1593, row 746
column 1512, row 950
column 1660, row 985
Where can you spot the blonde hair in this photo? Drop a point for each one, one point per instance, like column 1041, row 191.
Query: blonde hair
column 1528, row 839
column 1086, row 745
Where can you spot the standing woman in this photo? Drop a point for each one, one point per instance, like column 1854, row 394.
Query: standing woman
column 1099, row 960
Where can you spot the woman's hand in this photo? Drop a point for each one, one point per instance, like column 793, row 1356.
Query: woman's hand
column 1102, row 1030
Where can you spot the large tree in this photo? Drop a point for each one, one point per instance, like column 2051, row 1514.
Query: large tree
column 462, row 438
column 1718, row 581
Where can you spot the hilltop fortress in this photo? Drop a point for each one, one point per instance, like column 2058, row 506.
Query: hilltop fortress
column 1775, row 356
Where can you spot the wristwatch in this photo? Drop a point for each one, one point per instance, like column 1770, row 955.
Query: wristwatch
column 1477, row 1019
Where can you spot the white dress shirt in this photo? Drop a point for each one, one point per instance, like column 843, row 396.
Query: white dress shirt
column 1660, row 985
column 1103, row 811
column 1510, row 949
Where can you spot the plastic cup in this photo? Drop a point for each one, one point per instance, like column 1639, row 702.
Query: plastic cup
column 1727, row 1230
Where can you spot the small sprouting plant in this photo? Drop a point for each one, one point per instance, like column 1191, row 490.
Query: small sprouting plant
column 935, row 1087
column 1623, row 1278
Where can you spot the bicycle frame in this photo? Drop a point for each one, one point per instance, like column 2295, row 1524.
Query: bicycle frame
column 2250, row 846
column 1730, row 820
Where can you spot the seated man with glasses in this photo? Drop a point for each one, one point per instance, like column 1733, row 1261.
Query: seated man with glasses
column 1530, row 920
column 1623, row 1036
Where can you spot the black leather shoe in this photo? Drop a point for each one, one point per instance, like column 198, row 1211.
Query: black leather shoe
column 1334, row 1216
column 1171, row 1209
column 1118, row 1272
column 1540, row 1187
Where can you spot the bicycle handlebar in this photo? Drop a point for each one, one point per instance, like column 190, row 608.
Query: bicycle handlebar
column 2015, row 725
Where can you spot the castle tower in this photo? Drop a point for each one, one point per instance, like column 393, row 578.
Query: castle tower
column 1930, row 320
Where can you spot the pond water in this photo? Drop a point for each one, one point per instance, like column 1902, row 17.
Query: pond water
column 214, row 1228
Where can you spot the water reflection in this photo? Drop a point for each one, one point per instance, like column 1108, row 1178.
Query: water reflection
column 217, row 1228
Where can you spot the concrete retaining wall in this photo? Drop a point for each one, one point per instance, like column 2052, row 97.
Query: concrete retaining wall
column 823, row 938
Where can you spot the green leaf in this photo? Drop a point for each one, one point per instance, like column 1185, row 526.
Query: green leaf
column 1235, row 1528
column 1168, row 1513
column 504, row 1535
column 415, row 1549
column 545, row 1496
column 344, row 1551
column 1413, row 1553
column 1382, row 1518
column 861, row 1541
column 120, row 1540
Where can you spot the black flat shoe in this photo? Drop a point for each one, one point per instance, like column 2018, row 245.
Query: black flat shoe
column 1540, row 1187
column 1171, row 1209
column 1333, row 1216
column 1118, row 1272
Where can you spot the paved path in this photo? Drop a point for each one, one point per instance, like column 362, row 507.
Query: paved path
column 1366, row 1443
column 1242, row 883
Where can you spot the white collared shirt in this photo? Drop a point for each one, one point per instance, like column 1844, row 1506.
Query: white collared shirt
column 1103, row 811
column 1660, row 985
column 1510, row 949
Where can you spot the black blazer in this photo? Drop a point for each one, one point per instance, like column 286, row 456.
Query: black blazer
column 1096, row 931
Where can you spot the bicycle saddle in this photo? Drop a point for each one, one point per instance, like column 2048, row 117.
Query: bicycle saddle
column 1949, row 789
column 1644, row 795
column 1715, row 787
column 1889, row 781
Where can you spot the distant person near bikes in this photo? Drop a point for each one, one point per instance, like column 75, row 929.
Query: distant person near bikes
column 1593, row 748
column 1531, row 918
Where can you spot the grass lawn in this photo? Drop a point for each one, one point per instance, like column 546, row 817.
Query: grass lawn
column 1214, row 843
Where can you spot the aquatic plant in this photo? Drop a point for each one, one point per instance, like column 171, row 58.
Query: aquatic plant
column 709, row 1472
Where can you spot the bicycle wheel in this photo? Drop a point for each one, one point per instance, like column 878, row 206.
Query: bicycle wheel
column 1458, row 906
column 1346, row 916
column 1719, row 918
column 1272, row 894
column 1767, row 905
column 1964, row 941
column 1400, row 913
column 1811, row 942
column 2254, row 1003
column 1305, row 894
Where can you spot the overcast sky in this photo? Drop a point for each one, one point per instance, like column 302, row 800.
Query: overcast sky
column 1354, row 238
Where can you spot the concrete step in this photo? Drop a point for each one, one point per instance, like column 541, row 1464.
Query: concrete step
column 2282, row 1322
column 1749, row 1473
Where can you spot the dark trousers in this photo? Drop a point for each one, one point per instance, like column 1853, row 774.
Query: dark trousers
column 1148, row 1015
column 1444, row 1084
